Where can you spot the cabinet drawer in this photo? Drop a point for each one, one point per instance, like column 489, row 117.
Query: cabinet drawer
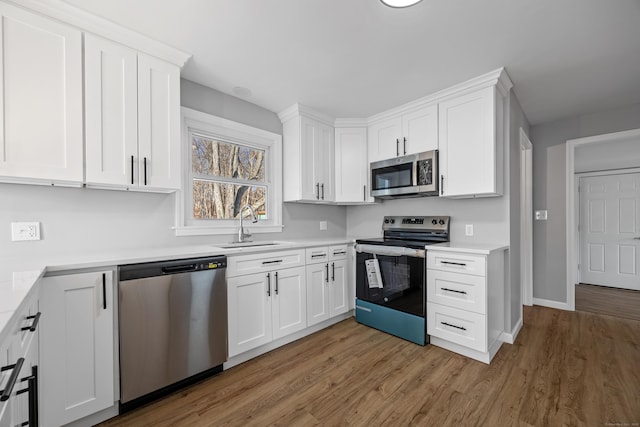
column 457, row 263
column 256, row 263
column 337, row 252
column 458, row 326
column 316, row 255
column 457, row 290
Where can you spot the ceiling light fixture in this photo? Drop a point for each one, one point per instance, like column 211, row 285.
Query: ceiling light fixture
column 400, row 3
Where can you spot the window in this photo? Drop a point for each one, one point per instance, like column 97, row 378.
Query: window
column 228, row 165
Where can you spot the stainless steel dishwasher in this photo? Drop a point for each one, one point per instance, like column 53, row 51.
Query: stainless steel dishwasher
column 172, row 324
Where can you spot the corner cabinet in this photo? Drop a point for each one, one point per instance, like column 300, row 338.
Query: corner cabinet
column 266, row 298
column 77, row 346
column 308, row 156
column 41, row 139
column 132, row 114
column 352, row 168
column 471, row 141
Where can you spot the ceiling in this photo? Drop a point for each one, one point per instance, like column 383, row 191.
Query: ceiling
column 355, row 58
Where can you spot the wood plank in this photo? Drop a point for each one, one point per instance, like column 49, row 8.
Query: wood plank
column 611, row 301
column 566, row 368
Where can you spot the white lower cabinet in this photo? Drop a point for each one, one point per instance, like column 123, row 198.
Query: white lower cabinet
column 77, row 346
column 265, row 306
column 327, row 294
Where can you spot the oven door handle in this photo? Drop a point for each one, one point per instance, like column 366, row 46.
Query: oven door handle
column 389, row 250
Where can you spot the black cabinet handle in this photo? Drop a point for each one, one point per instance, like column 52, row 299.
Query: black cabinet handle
column 6, row 393
column 268, row 284
column 397, row 147
column 318, row 255
column 339, row 253
column 276, row 283
column 461, row 264
column 317, row 191
column 441, row 184
column 322, row 187
column 271, row 262
column 404, row 145
column 333, row 271
column 104, row 291
column 34, row 324
column 327, row 275
column 453, row 290
column 33, row 396
column 364, row 193
column 145, row 170
column 454, row 326
column 132, row 170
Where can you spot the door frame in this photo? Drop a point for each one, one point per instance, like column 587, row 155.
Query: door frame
column 526, row 219
column 572, row 236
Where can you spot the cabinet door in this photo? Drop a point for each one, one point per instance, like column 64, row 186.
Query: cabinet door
column 111, row 112
column 317, row 293
column 41, row 94
column 289, row 301
column 352, row 166
column 310, row 151
column 77, row 346
column 338, row 295
column 384, row 139
column 420, row 130
column 158, row 123
column 326, row 162
column 468, row 150
column 249, row 305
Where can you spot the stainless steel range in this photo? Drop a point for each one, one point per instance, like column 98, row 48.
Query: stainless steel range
column 391, row 275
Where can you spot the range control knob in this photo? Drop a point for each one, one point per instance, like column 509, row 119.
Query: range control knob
column 434, row 222
column 441, row 222
column 393, row 221
column 386, row 220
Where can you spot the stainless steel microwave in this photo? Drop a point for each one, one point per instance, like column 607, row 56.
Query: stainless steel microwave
column 407, row 176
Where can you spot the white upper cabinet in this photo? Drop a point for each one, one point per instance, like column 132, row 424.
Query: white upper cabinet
column 308, row 167
column 471, row 144
column 411, row 132
column 41, row 99
column 352, row 167
column 132, row 118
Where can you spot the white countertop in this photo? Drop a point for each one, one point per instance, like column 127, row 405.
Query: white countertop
column 470, row 248
column 18, row 276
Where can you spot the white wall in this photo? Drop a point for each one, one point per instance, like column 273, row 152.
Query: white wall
column 549, row 169
column 607, row 156
column 80, row 220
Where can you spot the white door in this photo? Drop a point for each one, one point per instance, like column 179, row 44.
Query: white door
column 158, row 123
column 41, row 97
column 249, row 305
column 352, row 167
column 384, row 139
column 77, row 349
column 610, row 230
column 289, row 301
column 111, row 106
column 420, row 130
column 338, row 295
column 317, row 293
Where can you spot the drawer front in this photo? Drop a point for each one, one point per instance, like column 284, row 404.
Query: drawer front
column 316, row 255
column 457, row 263
column 456, row 290
column 458, row 326
column 337, row 252
column 258, row 263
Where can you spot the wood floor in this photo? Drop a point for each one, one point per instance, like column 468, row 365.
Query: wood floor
column 604, row 300
column 566, row 368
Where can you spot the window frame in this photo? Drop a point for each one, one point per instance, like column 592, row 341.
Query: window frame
column 236, row 133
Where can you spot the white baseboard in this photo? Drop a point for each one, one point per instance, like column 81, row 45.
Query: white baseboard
column 552, row 304
column 510, row 338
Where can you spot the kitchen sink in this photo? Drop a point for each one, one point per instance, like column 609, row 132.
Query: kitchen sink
column 249, row 244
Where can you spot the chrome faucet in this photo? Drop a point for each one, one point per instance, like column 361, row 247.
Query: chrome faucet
column 242, row 235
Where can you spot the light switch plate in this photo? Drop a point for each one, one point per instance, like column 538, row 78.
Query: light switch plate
column 25, row 231
column 323, row 225
column 541, row 215
column 468, row 230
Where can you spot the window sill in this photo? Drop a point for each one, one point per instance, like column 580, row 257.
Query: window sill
column 209, row 231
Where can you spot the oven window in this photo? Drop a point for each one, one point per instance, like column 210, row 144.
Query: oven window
column 392, row 176
column 402, row 279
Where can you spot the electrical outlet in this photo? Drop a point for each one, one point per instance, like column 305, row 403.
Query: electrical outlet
column 541, row 215
column 323, row 225
column 468, row 230
column 25, row 231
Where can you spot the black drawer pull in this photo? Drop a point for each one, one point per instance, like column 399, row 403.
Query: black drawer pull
column 34, row 324
column 268, row 284
column 271, row 262
column 318, row 255
column 453, row 290
column 104, row 291
column 454, row 326
column 339, row 253
column 461, row 264
column 6, row 393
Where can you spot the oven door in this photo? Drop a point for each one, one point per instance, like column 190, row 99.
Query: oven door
column 402, row 272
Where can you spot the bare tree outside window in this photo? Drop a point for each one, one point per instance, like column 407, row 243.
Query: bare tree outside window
column 226, row 176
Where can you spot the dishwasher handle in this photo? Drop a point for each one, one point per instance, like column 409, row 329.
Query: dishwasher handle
column 179, row 268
